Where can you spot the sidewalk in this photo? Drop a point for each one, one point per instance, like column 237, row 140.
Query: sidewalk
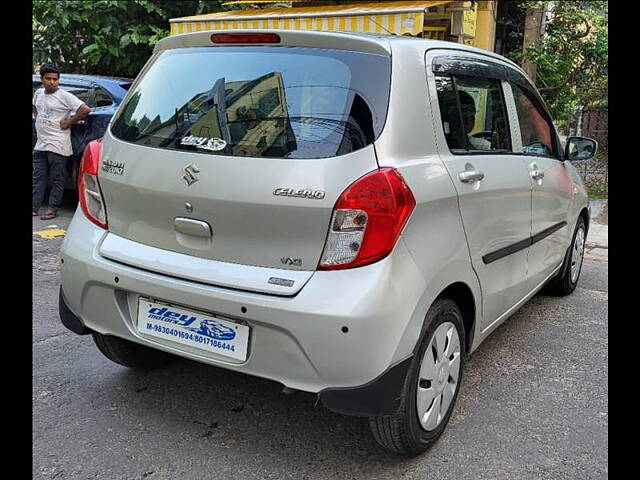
column 597, row 246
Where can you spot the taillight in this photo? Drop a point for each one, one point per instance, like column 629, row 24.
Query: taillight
column 91, row 200
column 367, row 220
column 245, row 38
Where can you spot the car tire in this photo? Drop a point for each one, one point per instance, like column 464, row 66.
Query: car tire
column 130, row 354
column 419, row 421
column 567, row 280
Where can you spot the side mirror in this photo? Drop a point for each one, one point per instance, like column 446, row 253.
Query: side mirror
column 580, row 148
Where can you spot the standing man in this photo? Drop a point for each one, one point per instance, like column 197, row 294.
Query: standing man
column 51, row 108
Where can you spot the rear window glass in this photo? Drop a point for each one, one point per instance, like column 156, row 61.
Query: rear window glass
column 258, row 102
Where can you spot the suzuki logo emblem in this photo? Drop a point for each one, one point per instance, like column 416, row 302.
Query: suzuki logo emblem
column 190, row 174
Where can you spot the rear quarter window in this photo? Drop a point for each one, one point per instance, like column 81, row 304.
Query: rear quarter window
column 83, row 93
column 103, row 99
column 536, row 131
column 282, row 102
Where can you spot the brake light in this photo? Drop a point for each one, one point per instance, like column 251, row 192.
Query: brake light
column 245, row 38
column 91, row 200
column 367, row 220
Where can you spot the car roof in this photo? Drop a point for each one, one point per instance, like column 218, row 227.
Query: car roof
column 357, row 41
column 288, row 38
column 116, row 86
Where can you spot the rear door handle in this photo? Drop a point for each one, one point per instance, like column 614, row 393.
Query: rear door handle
column 191, row 226
column 469, row 176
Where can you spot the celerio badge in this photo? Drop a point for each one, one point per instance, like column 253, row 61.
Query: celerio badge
column 300, row 193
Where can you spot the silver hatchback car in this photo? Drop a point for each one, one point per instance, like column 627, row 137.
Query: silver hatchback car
column 348, row 215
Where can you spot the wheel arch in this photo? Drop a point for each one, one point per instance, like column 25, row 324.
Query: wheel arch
column 454, row 279
column 584, row 213
column 462, row 295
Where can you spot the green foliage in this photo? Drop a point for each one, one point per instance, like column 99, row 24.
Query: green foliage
column 597, row 192
column 105, row 37
column 571, row 57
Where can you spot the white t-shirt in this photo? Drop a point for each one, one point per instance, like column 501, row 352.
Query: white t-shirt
column 53, row 107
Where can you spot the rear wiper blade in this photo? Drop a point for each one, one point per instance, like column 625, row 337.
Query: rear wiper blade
column 220, row 101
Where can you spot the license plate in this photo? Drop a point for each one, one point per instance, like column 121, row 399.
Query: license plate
column 196, row 329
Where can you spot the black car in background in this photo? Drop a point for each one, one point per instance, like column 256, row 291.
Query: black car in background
column 103, row 95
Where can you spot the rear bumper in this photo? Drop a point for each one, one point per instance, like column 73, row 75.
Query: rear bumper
column 70, row 319
column 378, row 397
column 298, row 341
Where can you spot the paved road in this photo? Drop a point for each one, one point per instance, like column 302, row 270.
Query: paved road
column 533, row 405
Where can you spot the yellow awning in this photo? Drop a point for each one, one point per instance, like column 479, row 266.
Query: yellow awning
column 399, row 18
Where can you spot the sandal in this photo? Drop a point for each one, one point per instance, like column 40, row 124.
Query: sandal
column 49, row 216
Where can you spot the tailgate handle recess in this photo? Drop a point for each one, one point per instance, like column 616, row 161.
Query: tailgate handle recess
column 189, row 226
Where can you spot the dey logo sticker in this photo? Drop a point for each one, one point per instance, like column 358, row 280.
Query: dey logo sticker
column 214, row 144
column 207, row 327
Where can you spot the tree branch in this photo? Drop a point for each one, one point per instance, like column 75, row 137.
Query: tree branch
column 555, row 88
column 581, row 35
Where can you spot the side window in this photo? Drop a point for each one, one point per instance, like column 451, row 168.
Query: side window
column 474, row 116
column 83, row 93
column 103, row 99
column 536, row 132
column 450, row 114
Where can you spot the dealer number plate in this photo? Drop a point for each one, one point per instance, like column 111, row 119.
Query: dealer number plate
column 196, row 329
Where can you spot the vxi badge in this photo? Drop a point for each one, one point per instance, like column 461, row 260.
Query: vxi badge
column 301, row 193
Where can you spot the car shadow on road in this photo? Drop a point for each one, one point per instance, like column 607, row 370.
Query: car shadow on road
column 229, row 410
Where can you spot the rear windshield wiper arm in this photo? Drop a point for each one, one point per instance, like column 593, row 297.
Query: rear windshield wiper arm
column 219, row 99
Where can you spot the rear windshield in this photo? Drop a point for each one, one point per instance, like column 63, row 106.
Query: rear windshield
column 280, row 102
